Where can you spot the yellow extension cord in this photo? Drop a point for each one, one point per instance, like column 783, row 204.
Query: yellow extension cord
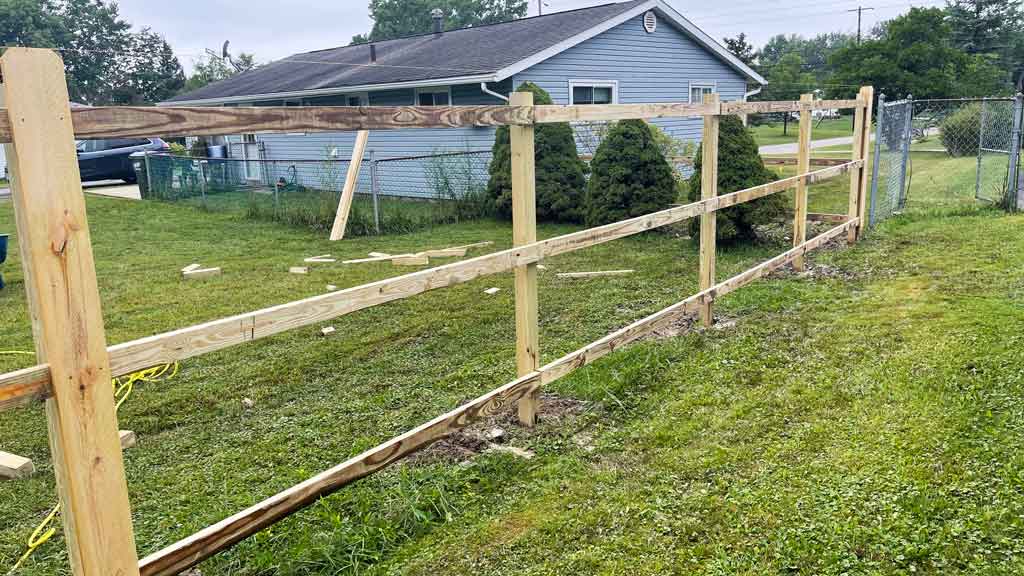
column 122, row 389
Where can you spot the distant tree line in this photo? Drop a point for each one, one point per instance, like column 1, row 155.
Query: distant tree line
column 104, row 60
column 397, row 18
column 969, row 48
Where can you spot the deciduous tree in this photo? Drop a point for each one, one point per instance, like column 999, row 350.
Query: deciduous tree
column 396, row 18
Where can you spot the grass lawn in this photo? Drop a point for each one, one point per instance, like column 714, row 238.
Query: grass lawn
column 861, row 419
column 767, row 134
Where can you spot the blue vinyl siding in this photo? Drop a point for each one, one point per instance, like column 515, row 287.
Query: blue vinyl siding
column 656, row 67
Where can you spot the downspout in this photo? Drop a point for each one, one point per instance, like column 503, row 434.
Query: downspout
column 486, row 90
column 747, row 95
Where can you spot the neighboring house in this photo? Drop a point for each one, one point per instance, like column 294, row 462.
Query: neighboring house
column 630, row 52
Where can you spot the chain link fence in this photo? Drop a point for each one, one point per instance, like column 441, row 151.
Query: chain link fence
column 393, row 195
column 953, row 150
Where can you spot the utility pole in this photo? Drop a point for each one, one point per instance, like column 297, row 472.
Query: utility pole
column 859, row 10
column 540, row 7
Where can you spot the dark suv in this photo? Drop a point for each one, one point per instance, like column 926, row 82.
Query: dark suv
column 109, row 159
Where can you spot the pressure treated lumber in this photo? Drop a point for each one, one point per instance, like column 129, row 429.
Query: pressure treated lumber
column 191, row 267
column 13, row 467
column 820, row 217
column 802, row 166
column 127, row 438
column 410, row 260
column 594, row 274
column 299, row 270
column 208, row 541
column 524, row 232
column 349, row 191
column 709, row 220
column 135, row 121
column 862, row 200
column 197, row 273
column 770, row 161
column 32, row 384
column 857, row 153
column 64, row 301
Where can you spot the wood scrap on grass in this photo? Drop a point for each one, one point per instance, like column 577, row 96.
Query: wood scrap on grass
column 594, row 274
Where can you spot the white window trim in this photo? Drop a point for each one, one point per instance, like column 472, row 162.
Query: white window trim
column 613, row 84
column 713, row 84
column 432, row 90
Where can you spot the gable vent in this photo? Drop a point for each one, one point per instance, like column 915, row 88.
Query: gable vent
column 650, row 22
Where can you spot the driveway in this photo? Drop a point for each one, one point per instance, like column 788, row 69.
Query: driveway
column 793, row 147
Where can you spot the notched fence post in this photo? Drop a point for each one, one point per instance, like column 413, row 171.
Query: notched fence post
column 709, row 221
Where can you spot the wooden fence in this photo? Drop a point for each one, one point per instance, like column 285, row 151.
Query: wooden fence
column 76, row 365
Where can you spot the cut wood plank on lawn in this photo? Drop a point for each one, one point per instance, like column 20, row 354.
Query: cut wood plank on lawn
column 379, row 255
column 128, row 439
column 327, row 330
column 594, row 274
column 13, row 466
column 410, row 260
column 299, row 270
column 349, row 191
column 197, row 273
column 492, row 291
column 191, row 267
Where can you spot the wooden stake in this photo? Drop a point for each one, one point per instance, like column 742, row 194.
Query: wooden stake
column 708, row 222
column 862, row 196
column 803, row 166
column 857, row 154
column 524, row 231
column 67, row 322
column 351, row 179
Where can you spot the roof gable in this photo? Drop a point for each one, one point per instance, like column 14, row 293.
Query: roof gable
column 479, row 54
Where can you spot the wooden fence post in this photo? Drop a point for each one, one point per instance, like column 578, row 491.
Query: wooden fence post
column 803, row 166
column 524, row 231
column 60, row 280
column 862, row 190
column 708, row 189
column 856, row 154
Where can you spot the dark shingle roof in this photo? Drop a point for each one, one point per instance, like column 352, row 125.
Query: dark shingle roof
column 463, row 52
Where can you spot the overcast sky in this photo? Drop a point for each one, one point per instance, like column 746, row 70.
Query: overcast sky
column 273, row 29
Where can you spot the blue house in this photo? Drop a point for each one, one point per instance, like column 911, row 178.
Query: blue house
column 630, row 52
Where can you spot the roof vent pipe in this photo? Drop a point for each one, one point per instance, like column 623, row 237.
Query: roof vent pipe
column 373, row 53
column 438, row 18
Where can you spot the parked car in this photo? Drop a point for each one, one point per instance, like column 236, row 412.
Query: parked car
column 109, row 159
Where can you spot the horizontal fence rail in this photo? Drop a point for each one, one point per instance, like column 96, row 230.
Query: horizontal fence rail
column 32, row 384
column 136, row 121
column 190, row 551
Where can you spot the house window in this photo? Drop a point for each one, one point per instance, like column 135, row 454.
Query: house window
column 434, row 97
column 593, row 92
column 357, row 100
column 698, row 91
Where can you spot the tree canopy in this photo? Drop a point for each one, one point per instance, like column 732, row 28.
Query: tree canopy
column 915, row 54
column 104, row 60
column 741, row 49
column 397, row 18
column 212, row 68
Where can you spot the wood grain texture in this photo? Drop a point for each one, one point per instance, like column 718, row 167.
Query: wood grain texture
column 770, row 161
column 862, row 216
column 31, row 384
column 857, row 154
column 602, row 112
column 594, row 274
column 5, row 126
column 64, row 303
column 13, row 466
column 709, row 220
column 349, row 190
column 821, row 217
column 785, row 106
column 208, row 541
column 524, row 232
column 803, row 165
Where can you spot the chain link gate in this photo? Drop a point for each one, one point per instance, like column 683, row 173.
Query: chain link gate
column 891, row 156
column 984, row 131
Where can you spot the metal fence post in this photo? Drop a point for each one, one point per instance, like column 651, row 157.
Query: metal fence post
column 373, row 192
column 907, row 137
column 149, row 174
column 981, row 151
column 877, row 159
column 1014, row 188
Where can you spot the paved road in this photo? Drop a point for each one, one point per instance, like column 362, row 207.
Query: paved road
column 792, row 147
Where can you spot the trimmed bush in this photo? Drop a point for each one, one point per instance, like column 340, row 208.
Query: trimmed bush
column 561, row 175
column 739, row 166
column 629, row 175
column 960, row 131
